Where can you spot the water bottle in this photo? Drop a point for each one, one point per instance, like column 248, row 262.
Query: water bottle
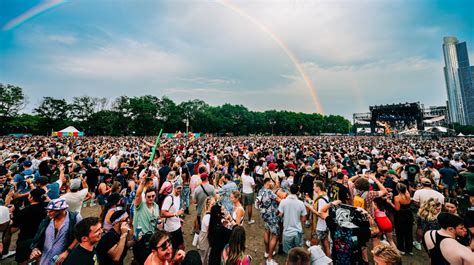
column 54, row 259
column 139, row 233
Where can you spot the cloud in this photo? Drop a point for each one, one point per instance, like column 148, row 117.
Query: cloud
column 209, row 81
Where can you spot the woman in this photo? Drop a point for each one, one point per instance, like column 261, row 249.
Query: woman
column 161, row 250
column 104, row 190
column 403, row 219
column 233, row 253
column 110, row 207
column 239, row 212
column 383, row 222
column 451, row 206
column 428, row 214
column 218, row 233
column 203, row 242
column 186, row 177
column 386, row 255
column 167, row 187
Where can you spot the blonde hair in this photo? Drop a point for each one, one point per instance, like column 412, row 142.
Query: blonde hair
column 387, row 253
column 207, row 206
column 429, row 210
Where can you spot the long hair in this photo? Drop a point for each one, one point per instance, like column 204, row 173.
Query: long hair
column 236, row 245
column 215, row 223
column 429, row 210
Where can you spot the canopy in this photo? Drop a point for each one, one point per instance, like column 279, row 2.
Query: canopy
column 460, row 134
column 68, row 131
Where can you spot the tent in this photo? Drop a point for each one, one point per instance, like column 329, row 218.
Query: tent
column 460, row 135
column 68, row 131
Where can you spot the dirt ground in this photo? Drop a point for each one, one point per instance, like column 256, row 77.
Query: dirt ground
column 254, row 240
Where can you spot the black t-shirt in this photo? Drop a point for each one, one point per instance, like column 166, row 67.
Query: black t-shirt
column 82, row 256
column 28, row 220
column 92, row 176
column 339, row 192
column 307, row 185
column 107, row 241
column 412, row 170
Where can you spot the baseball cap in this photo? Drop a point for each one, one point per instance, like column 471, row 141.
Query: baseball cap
column 42, row 180
column 204, row 176
column 177, row 184
column 75, row 184
column 426, row 181
column 272, row 166
column 27, row 163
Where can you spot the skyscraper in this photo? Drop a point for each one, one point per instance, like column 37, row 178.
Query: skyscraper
column 459, row 81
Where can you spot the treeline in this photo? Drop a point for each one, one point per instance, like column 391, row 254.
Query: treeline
column 145, row 115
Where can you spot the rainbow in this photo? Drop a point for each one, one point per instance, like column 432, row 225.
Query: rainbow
column 284, row 46
column 31, row 13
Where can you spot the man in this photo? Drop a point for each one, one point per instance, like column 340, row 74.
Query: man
column 269, row 207
column 52, row 189
column 468, row 175
column 442, row 246
column 273, row 175
column 201, row 193
column 122, row 177
column 23, row 179
column 113, row 246
column 449, row 178
column 147, row 213
column 298, row 256
column 28, row 221
column 248, row 185
column 339, row 191
column 420, row 197
column 54, row 239
column 293, row 212
column 88, row 232
column 170, row 211
column 319, row 231
column 75, row 196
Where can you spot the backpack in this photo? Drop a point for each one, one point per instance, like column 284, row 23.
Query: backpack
column 172, row 203
column 359, row 200
column 142, row 248
column 315, row 206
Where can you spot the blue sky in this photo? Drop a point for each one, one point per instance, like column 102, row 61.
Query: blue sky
column 357, row 53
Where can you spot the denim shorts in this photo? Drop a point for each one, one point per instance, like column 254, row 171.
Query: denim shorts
column 290, row 242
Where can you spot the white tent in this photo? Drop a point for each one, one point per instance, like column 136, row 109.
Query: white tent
column 460, row 135
column 69, row 130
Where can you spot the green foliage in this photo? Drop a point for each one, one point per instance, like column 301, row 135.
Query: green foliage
column 464, row 129
column 12, row 100
column 145, row 115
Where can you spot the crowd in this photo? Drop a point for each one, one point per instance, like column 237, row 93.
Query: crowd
column 359, row 199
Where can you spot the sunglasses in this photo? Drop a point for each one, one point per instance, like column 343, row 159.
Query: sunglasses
column 151, row 196
column 165, row 245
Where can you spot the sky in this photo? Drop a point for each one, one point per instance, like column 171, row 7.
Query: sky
column 333, row 57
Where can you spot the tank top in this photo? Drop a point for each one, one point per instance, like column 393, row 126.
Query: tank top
column 234, row 215
column 435, row 253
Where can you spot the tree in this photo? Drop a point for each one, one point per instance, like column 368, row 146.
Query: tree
column 54, row 113
column 12, row 100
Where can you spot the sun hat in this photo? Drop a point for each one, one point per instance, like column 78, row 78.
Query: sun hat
column 57, row 205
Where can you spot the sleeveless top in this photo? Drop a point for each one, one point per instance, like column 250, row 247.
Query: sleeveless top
column 435, row 253
column 234, row 215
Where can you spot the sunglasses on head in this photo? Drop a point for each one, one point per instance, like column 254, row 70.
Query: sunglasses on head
column 164, row 245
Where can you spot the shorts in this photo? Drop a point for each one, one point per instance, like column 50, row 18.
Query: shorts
column 293, row 241
column 176, row 238
column 384, row 224
column 273, row 227
column 248, row 199
column 320, row 235
column 23, row 250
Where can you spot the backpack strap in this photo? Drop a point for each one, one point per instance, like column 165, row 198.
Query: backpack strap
column 72, row 223
column 172, row 203
column 203, row 189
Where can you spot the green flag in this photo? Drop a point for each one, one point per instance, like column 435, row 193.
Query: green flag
column 156, row 144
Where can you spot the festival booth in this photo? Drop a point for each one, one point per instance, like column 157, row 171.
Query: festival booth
column 69, row 131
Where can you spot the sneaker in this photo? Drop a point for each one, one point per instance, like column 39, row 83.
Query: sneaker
column 251, row 221
column 308, row 243
column 266, row 254
column 402, row 252
column 385, row 242
column 410, row 253
column 92, row 203
column 84, row 204
column 417, row 245
column 307, row 224
column 9, row 254
column 271, row 262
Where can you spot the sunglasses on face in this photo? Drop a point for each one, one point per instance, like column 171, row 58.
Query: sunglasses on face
column 151, row 196
column 164, row 245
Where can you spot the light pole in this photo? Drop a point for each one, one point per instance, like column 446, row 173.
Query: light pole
column 272, row 122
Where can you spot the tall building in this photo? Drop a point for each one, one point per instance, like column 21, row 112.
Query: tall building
column 459, row 81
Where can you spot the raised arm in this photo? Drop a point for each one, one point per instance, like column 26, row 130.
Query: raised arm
column 138, row 196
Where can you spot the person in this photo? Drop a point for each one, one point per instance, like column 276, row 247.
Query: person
column 419, row 198
column 113, row 203
column 161, row 253
column 449, row 178
column 170, row 212
column 248, row 195
column 113, row 246
column 403, row 219
column 201, row 192
column 203, row 242
column 54, row 238
column 381, row 219
column 147, row 213
column 192, row 258
column 233, row 253
column 28, row 221
column 225, row 192
column 239, row 213
column 75, row 196
column 298, row 256
column 218, row 233
column 350, row 232
column 294, row 213
column 104, row 190
column 5, row 235
column 338, row 190
column 428, row 214
column 441, row 244
column 269, row 212
column 386, row 255
column 52, row 189
column 87, row 232
column 23, row 180
column 319, row 230
column 186, row 190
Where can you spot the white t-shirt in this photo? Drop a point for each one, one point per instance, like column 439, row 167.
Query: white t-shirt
column 423, row 195
column 4, row 215
column 74, row 200
column 205, row 223
column 247, row 182
column 172, row 223
column 321, row 225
